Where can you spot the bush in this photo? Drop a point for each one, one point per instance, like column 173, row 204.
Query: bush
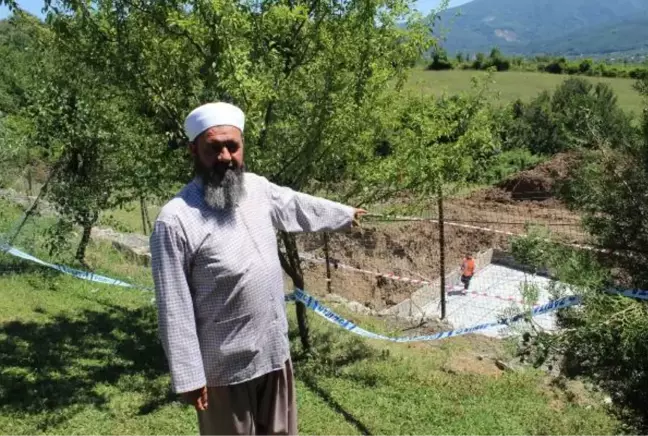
column 534, row 126
column 572, row 69
column 607, row 338
column 505, row 163
column 479, row 62
column 585, row 67
column 497, row 60
column 638, row 73
column 440, row 61
column 584, row 110
column 577, row 115
column 557, row 66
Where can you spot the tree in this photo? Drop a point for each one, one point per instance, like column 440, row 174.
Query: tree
column 581, row 106
column 564, row 120
column 479, row 62
column 607, row 338
column 311, row 75
column 498, row 60
column 317, row 79
column 440, row 60
column 19, row 37
column 585, row 67
column 94, row 135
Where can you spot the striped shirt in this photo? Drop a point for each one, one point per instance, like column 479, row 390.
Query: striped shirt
column 219, row 284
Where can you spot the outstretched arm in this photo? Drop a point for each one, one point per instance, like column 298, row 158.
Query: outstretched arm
column 297, row 212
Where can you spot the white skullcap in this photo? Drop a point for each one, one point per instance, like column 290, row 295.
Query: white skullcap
column 212, row 115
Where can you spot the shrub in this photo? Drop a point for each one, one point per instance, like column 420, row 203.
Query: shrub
column 505, row 163
column 479, row 62
column 584, row 110
column 440, row 61
column 576, row 115
column 556, row 66
column 607, row 338
column 534, row 126
column 585, row 67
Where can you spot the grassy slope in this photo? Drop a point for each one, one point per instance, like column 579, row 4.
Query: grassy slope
column 78, row 357
column 512, row 85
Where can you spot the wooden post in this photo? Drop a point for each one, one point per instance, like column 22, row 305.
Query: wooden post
column 29, row 181
column 143, row 212
column 328, row 263
column 147, row 217
column 442, row 252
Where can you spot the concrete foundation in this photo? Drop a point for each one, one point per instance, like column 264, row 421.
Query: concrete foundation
column 495, row 292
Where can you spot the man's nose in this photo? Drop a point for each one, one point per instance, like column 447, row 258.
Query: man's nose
column 224, row 155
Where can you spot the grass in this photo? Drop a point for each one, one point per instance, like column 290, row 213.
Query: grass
column 513, row 84
column 128, row 219
column 83, row 358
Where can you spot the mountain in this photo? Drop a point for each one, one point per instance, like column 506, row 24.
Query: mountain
column 623, row 36
column 546, row 26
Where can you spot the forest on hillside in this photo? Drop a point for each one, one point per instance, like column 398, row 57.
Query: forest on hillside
column 576, row 28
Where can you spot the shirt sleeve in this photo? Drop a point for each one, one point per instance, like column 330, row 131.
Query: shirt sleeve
column 176, row 319
column 297, row 212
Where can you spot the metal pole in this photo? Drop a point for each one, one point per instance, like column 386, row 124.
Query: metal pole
column 441, row 252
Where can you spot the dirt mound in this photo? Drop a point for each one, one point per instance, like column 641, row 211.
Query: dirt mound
column 539, row 183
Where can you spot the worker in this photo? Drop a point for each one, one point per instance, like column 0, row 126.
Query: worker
column 467, row 270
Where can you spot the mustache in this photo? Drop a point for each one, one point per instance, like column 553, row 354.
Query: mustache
column 216, row 171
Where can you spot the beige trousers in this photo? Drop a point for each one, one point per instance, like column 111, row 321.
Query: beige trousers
column 263, row 406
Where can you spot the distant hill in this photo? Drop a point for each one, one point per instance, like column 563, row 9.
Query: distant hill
column 624, row 36
column 547, row 26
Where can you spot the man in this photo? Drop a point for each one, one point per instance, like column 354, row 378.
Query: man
column 467, row 271
column 219, row 284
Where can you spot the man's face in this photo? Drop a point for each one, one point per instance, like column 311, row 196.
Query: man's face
column 218, row 161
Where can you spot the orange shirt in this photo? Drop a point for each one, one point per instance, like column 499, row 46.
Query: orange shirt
column 468, row 267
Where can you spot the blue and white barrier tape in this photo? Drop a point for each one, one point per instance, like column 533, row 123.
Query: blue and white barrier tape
column 323, row 311
column 637, row 293
column 334, row 318
column 84, row 275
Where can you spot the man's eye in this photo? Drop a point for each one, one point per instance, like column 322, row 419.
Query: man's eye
column 218, row 147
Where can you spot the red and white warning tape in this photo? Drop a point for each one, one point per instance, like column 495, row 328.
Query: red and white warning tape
column 390, row 276
column 484, row 294
column 487, row 229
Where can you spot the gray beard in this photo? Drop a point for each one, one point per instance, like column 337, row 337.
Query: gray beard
column 226, row 191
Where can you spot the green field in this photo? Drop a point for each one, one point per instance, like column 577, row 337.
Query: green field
column 83, row 358
column 513, row 84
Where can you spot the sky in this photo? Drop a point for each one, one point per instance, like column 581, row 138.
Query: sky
column 35, row 6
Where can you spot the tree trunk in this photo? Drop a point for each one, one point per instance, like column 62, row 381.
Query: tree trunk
column 32, row 208
column 30, row 187
column 85, row 238
column 291, row 265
